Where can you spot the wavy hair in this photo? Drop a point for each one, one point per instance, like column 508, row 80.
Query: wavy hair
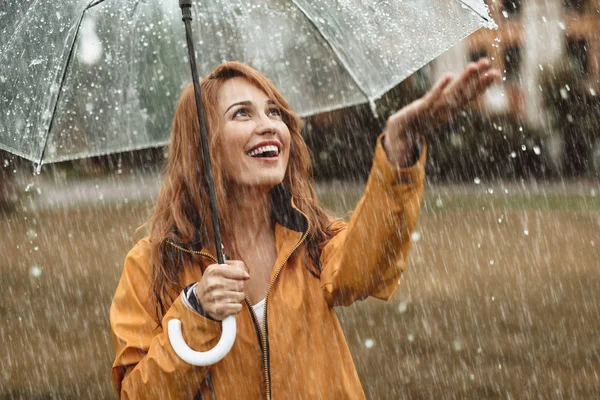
column 182, row 211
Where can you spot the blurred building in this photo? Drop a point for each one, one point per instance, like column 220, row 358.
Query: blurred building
column 532, row 35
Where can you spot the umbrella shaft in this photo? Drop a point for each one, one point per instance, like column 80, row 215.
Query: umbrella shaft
column 187, row 18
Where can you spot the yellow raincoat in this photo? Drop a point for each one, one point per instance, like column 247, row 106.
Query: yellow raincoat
column 302, row 353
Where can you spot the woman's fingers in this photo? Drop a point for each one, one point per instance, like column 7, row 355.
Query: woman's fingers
column 464, row 87
column 436, row 91
column 234, row 269
column 485, row 81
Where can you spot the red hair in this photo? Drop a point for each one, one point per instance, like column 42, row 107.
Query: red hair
column 182, row 211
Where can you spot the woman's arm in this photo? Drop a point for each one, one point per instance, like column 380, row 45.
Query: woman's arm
column 368, row 257
column 145, row 366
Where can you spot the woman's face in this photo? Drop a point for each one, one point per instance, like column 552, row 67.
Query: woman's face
column 255, row 142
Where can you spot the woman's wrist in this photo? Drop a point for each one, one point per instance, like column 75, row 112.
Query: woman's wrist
column 402, row 152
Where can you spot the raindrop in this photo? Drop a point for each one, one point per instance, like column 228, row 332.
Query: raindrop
column 513, row 154
column 505, row 13
column 457, row 345
column 592, row 92
column 472, row 376
column 411, row 337
column 415, row 236
column 37, row 61
column 439, row 203
column 490, row 190
column 477, row 181
column 402, row 307
column 35, row 271
column 492, row 263
column 526, row 232
column 369, row 343
column 28, row 187
column 31, row 234
column 523, row 147
column 562, row 25
column 536, row 150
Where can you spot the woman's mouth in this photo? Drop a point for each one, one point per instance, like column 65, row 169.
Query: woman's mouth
column 268, row 152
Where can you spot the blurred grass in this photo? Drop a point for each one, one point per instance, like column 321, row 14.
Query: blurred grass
column 484, row 310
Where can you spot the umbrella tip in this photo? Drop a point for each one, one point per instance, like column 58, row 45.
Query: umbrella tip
column 373, row 107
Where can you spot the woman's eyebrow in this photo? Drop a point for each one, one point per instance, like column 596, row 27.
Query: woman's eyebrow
column 245, row 103
column 239, row 103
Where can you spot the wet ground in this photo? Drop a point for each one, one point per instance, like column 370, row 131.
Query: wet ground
column 500, row 298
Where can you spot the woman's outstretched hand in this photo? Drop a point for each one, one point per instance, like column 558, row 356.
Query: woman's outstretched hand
column 448, row 96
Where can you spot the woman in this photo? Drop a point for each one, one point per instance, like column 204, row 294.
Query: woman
column 290, row 263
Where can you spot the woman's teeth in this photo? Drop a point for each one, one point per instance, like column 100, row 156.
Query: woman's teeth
column 259, row 151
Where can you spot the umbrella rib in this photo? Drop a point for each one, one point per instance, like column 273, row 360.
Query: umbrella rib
column 344, row 64
column 62, row 79
column 470, row 7
column 95, row 3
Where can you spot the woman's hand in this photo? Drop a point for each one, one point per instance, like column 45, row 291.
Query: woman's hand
column 448, row 96
column 221, row 289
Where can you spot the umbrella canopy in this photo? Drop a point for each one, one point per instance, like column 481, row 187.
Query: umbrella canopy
column 96, row 77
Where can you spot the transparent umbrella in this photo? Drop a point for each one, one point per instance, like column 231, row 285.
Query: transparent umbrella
column 97, row 77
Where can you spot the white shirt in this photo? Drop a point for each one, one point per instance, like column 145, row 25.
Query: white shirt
column 259, row 310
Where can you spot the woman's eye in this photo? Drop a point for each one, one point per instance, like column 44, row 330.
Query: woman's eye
column 241, row 112
column 275, row 111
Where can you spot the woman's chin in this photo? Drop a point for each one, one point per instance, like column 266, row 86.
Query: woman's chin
column 263, row 180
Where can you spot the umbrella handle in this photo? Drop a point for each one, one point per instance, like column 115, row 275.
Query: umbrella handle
column 199, row 358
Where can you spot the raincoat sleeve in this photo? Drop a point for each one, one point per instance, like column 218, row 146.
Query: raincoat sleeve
column 145, row 366
column 367, row 257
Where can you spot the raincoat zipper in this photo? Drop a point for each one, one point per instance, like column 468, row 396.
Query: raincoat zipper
column 262, row 335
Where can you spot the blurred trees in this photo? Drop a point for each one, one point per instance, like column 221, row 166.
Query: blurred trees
column 575, row 110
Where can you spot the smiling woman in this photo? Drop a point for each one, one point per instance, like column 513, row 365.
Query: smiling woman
column 290, row 262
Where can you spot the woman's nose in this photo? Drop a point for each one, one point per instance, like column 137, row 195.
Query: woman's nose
column 265, row 125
